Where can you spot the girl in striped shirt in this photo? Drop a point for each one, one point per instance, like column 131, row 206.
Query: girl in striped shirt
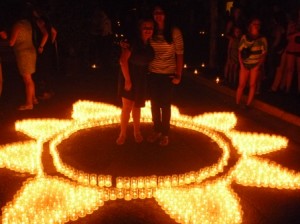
column 165, row 72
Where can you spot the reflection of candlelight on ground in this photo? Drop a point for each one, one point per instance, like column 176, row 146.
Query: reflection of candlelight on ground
column 195, row 71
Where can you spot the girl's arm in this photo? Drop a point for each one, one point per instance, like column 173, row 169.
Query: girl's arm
column 14, row 34
column 42, row 27
column 125, row 54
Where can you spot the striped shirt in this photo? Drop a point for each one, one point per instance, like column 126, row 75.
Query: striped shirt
column 258, row 48
column 164, row 61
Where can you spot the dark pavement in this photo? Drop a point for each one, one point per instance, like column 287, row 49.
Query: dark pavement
column 94, row 150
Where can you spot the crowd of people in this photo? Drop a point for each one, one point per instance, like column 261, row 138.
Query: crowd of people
column 263, row 50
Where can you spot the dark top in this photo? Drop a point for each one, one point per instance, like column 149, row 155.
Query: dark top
column 141, row 56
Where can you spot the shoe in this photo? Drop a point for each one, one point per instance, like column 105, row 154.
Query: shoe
column 121, row 140
column 154, row 137
column 164, row 141
column 138, row 138
column 26, row 107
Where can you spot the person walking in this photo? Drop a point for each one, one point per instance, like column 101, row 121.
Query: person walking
column 252, row 53
column 165, row 72
column 134, row 61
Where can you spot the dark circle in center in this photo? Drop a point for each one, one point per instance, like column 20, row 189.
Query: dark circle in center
column 94, row 151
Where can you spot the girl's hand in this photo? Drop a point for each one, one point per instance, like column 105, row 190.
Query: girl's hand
column 127, row 85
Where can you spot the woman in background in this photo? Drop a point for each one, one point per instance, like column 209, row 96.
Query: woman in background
column 252, row 53
column 25, row 53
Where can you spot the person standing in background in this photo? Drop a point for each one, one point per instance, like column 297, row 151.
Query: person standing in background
column 252, row 53
column 22, row 42
column 45, row 43
column 165, row 72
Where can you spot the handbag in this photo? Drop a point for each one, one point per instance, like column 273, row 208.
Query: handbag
column 246, row 52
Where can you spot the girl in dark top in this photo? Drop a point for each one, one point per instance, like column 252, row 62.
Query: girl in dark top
column 134, row 61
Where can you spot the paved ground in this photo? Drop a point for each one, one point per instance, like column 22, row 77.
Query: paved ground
column 194, row 96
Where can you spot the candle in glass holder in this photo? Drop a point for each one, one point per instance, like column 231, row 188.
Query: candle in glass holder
column 142, row 193
column 134, row 182
column 134, row 193
column 192, row 176
column 101, row 181
column 93, row 180
column 107, row 181
column 119, row 182
column 174, row 180
column 160, row 181
column 153, row 181
column 141, row 182
column 120, row 193
column 187, row 178
column 112, row 194
column 149, row 193
column 181, row 179
column 147, row 182
column 106, row 195
column 167, row 181
column 127, row 195
column 126, row 181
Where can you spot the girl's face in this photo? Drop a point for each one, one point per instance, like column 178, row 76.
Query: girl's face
column 158, row 15
column 237, row 32
column 254, row 27
column 146, row 30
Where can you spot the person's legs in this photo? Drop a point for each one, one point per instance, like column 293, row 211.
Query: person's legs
column 30, row 92
column 243, row 77
column 254, row 74
column 235, row 71
column 290, row 69
column 279, row 73
column 125, row 116
column 136, row 116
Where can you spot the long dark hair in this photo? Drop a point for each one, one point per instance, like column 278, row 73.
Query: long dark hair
column 168, row 26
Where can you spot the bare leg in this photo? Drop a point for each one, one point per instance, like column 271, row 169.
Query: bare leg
column 243, row 77
column 254, row 75
column 125, row 116
column 136, row 115
column 30, row 92
column 279, row 74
